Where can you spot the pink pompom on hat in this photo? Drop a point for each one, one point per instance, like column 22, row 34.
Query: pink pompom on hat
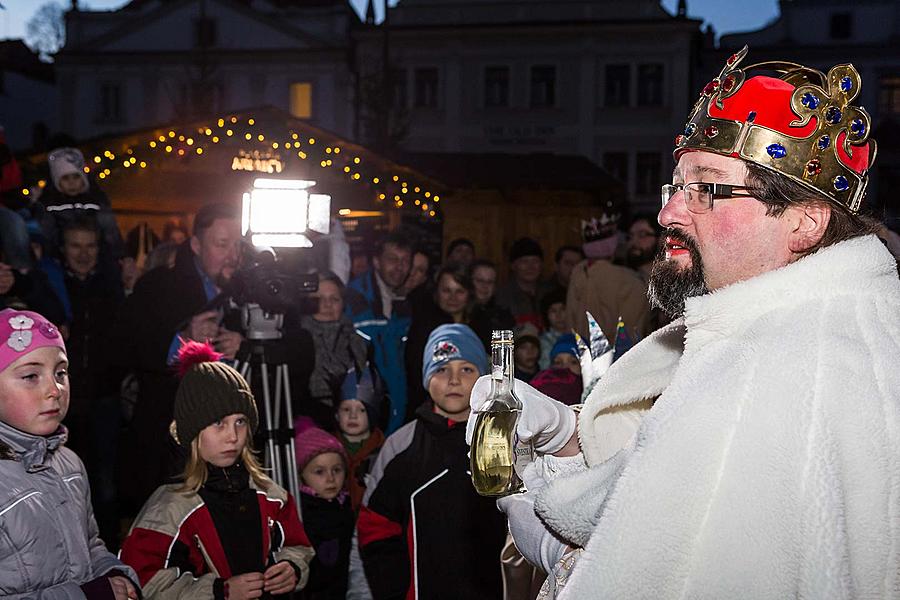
column 23, row 331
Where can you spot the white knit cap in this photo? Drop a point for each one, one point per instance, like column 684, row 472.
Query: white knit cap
column 64, row 161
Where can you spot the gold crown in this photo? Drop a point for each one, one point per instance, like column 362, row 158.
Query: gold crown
column 787, row 143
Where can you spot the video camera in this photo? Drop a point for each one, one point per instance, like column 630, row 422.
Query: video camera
column 276, row 213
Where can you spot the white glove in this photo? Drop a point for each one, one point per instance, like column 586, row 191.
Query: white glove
column 544, row 422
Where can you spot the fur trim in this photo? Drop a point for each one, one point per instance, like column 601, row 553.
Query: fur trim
column 193, row 353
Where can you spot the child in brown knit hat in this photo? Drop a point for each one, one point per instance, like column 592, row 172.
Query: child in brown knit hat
column 227, row 531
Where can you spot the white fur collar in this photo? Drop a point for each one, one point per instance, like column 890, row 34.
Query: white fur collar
column 614, row 410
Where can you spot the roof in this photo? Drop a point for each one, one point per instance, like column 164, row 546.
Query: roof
column 17, row 57
column 509, row 171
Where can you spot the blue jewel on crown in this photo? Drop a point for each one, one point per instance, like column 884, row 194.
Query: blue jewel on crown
column 776, row 150
column 857, row 127
column 840, row 183
column 823, row 142
column 810, row 100
column 833, row 115
column 751, row 116
column 689, row 129
column 846, row 84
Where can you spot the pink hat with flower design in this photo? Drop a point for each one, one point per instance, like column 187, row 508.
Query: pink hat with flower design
column 22, row 331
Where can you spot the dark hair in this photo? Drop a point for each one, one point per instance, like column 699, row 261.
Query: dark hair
column 480, row 263
column 552, row 297
column 778, row 192
column 208, row 213
column 81, row 224
column 330, row 276
column 651, row 220
column 171, row 226
column 563, row 249
column 459, row 242
column 394, row 239
column 461, row 275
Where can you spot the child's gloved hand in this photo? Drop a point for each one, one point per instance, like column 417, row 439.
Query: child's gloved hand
column 544, row 422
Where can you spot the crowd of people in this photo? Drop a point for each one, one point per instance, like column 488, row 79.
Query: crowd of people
column 126, row 423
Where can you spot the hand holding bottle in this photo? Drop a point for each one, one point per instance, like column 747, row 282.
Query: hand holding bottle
column 544, row 422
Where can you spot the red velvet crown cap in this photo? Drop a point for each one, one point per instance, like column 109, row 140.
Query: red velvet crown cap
column 770, row 99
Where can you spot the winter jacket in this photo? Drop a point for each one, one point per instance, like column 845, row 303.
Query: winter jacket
column 49, row 545
column 524, row 307
column 608, row 292
column 177, row 550
column 329, row 524
column 387, row 336
column 338, row 348
column 423, row 530
column 361, row 459
column 769, row 464
column 61, row 209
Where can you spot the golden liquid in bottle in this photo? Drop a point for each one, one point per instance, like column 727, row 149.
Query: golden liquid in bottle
column 493, row 454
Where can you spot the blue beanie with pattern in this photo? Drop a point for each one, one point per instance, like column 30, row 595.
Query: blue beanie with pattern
column 452, row 342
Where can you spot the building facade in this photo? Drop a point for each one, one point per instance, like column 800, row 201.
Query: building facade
column 155, row 61
column 28, row 96
column 608, row 80
column 823, row 34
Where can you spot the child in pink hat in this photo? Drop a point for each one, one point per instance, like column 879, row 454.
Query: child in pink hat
column 52, row 545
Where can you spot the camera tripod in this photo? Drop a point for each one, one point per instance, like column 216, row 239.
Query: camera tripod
column 267, row 350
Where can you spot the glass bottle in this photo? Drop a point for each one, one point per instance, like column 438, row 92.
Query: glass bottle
column 496, row 456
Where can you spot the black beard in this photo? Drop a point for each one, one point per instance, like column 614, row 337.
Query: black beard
column 671, row 285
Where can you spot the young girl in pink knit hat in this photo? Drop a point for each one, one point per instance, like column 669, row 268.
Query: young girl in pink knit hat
column 50, row 545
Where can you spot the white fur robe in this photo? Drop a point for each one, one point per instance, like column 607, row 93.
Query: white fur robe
column 769, row 466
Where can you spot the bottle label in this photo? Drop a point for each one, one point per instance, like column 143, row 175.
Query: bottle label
column 523, row 455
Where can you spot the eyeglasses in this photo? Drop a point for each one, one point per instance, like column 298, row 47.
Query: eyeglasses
column 699, row 197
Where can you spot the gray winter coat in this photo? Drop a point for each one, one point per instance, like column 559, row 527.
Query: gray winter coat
column 49, row 544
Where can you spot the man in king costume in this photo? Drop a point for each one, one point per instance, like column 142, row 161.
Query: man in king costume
column 750, row 449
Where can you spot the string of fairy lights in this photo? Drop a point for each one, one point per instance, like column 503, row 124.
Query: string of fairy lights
column 390, row 189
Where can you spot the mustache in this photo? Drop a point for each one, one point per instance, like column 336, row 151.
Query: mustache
column 683, row 239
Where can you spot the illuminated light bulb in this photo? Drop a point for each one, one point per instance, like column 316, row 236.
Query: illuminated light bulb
column 41, row 183
column 25, row 191
column 356, row 160
column 375, row 180
column 437, row 198
column 346, row 169
column 171, row 134
column 220, row 122
column 87, row 169
column 424, row 207
column 168, row 148
column 260, row 137
column 130, row 151
column 403, row 184
column 162, row 138
column 417, row 189
column 337, row 150
column 294, row 136
column 233, row 119
column 296, row 144
column 207, row 131
column 418, row 202
column 399, row 203
column 302, row 155
column 132, row 160
column 275, row 145
column 153, row 144
column 229, row 132
column 107, row 171
column 143, row 165
column 328, row 150
column 247, row 136
column 428, row 194
column 395, row 178
column 324, row 164
column 190, row 141
column 312, row 141
column 404, row 191
column 97, row 159
column 250, row 122
column 356, row 176
column 112, row 156
column 102, row 176
column 215, row 139
column 381, row 196
column 431, row 213
column 126, row 164
column 181, row 152
column 180, row 138
column 329, row 161
column 199, row 150
column 397, row 198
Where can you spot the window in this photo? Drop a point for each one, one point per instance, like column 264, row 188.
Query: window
column 398, row 88
column 889, row 95
column 616, row 164
column 496, row 86
column 204, row 33
column 301, row 100
column 618, row 85
column 649, row 173
column 650, row 85
column 841, row 26
column 543, row 86
column 110, row 105
column 426, row 82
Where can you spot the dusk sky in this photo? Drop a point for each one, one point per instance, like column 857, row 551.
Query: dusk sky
column 726, row 15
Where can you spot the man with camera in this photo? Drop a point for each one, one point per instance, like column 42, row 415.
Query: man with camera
column 169, row 304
